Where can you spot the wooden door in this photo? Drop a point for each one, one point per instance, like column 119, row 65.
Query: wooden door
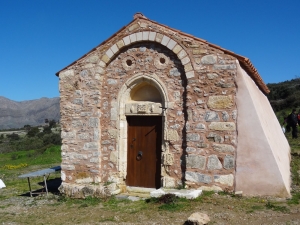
column 144, row 151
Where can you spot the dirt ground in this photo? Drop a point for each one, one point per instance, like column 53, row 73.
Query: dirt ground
column 222, row 208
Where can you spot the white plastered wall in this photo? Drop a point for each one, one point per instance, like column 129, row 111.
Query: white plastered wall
column 263, row 153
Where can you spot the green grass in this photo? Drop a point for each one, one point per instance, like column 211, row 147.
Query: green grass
column 22, row 162
column 270, row 205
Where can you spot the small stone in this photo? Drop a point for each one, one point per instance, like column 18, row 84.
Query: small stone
column 198, row 218
column 174, row 72
column 211, row 116
column 212, row 76
column 192, row 137
column 225, row 116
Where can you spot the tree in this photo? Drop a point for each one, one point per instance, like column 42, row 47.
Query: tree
column 33, row 132
column 13, row 136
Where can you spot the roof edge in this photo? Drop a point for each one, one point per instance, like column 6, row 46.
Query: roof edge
column 245, row 62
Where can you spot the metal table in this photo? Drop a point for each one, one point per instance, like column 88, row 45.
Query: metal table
column 39, row 173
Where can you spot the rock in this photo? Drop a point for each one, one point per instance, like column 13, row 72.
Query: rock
column 157, row 193
column 198, row 218
column 133, row 198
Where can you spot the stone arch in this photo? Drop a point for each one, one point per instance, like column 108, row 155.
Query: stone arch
column 122, row 99
column 151, row 36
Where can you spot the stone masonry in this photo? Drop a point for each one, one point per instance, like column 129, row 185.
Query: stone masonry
column 196, row 86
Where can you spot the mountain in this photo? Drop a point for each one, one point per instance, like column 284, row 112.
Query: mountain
column 33, row 112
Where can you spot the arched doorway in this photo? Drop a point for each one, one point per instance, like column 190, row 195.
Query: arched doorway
column 142, row 101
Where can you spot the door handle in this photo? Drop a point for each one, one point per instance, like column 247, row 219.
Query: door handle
column 139, row 156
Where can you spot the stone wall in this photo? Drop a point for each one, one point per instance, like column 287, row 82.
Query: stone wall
column 199, row 144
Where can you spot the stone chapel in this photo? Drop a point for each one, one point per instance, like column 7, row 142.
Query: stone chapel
column 153, row 107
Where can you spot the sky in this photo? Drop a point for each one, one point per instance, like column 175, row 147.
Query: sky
column 40, row 37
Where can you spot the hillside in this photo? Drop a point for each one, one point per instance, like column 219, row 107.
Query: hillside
column 285, row 95
column 33, row 112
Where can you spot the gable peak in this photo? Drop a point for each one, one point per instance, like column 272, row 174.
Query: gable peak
column 139, row 15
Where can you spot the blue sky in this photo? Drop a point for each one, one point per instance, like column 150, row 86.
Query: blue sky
column 40, row 37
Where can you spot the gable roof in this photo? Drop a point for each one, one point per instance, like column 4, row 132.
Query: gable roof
column 244, row 62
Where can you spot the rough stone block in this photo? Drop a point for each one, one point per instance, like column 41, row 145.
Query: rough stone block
column 68, row 135
column 174, row 72
column 224, row 179
column 211, row 116
column 214, row 163
column 67, row 167
column 112, row 133
column 223, row 148
column 216, row 137
column 92, row 59
column 133, row 27
column 190, row 149
column 212, row 76
column 198, row 218
column 222, row 126
column 195, row 161
column 229, row 162
column 225, row 67
column 225, row 116
column 200, row 126
column 198, row 177
column 94, row 160
column 90, row 145
column 113, row 114
column 83, row 136
column 94, row 122
column 172, row 135
column 66, row 74
column 78, row 101
column 169, row 182
column 209, row 59
column 192, row 137
column 112, row 81
column 113, row 157
column 220, row 102
column 190, row 74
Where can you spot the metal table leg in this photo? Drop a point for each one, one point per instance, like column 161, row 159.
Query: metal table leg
column 29, row 186
column 45, row 182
